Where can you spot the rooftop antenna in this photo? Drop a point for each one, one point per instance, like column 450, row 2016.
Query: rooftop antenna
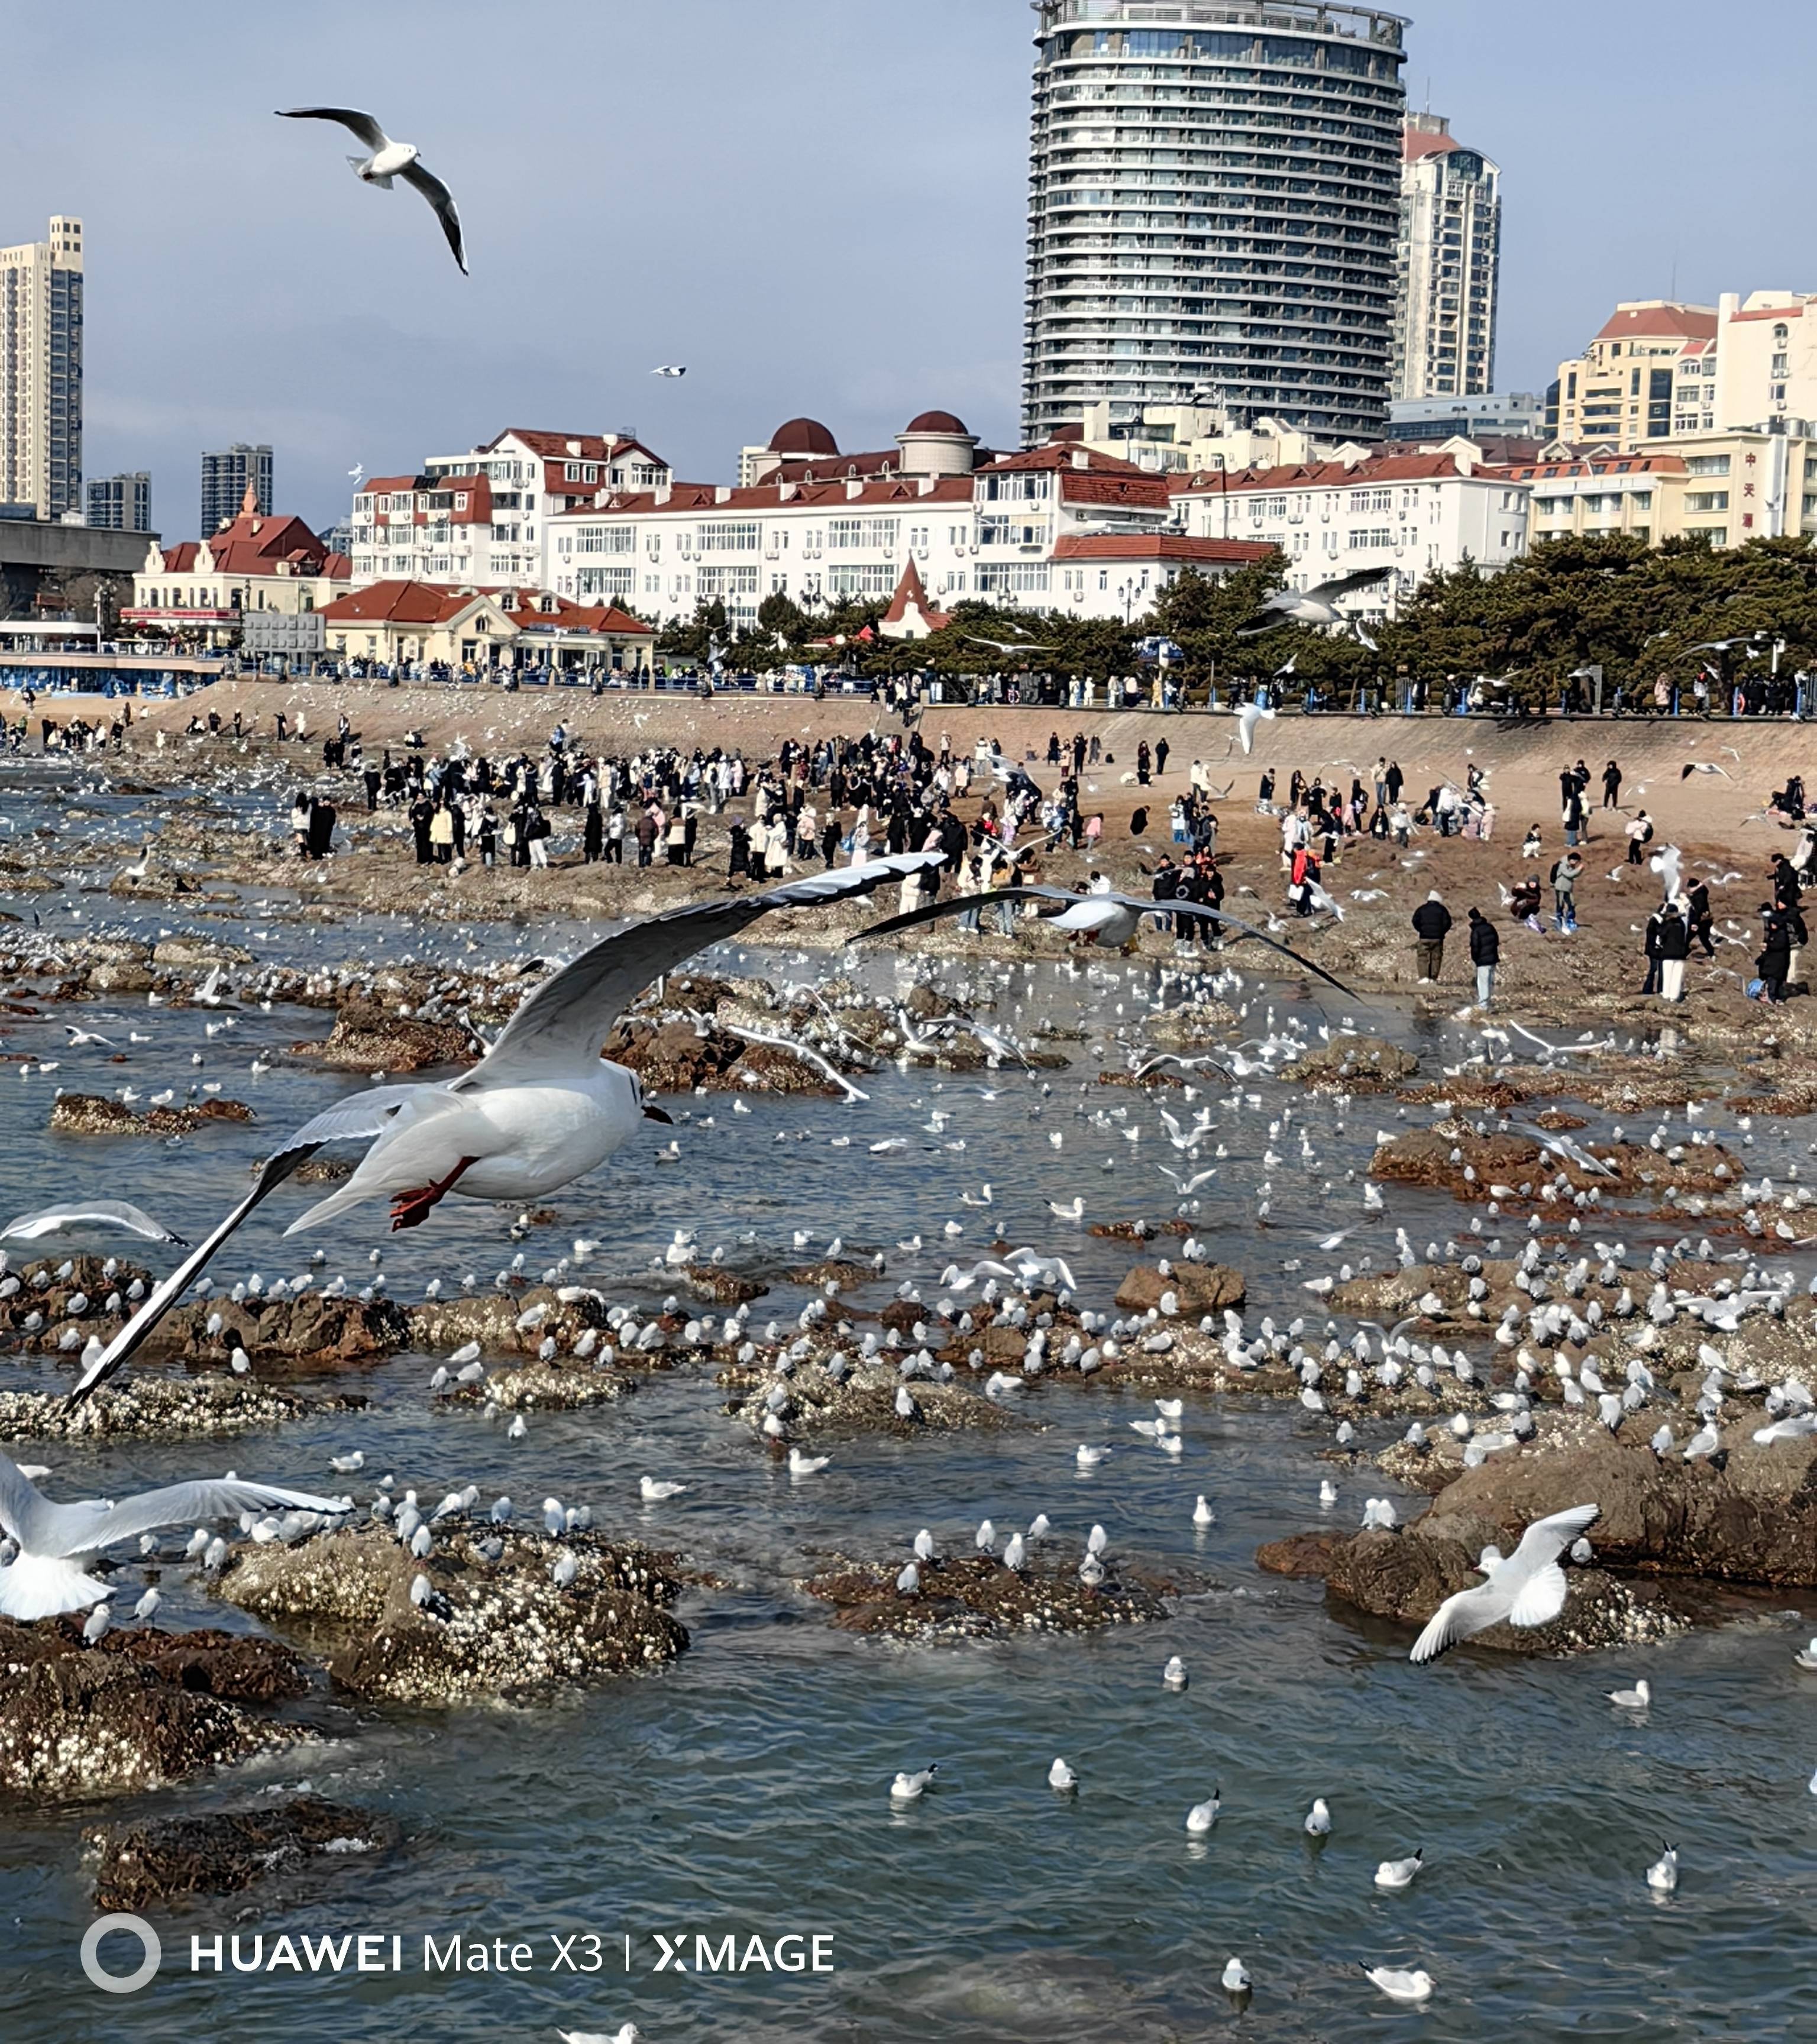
column 1674, row 273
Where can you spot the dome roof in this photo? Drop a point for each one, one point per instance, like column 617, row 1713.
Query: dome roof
column 938, row 422
column 803, row 437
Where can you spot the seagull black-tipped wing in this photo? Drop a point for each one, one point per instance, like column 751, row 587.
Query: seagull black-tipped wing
column 164, row 1295
column 442, row 199
column 1328, row 592
column 565, row 1021
column 956, row 904
column 362, row 125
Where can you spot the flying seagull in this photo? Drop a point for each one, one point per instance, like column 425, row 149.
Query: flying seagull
column 541, row 1108
column 1318, row 606
column 1525, row 1587
column 54, row 1540
column 1248, row 717
column 1108, row 919
column 387, row 160
column 999, row 646
column 1701, row 766
column 671, row 369
column 101, row 1215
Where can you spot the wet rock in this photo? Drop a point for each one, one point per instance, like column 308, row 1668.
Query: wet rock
column 974, row 1597
column 205, row 952
column 89, row 1114
column 538, row 1386
column 1454, row 1158
column 313, row 1332
column 127, row 977
column 685, row 1056
column 1197, row 1287
column 498, row 1628
column 493, row 1320
column 1353, row 1064
column 137, row 1405
column 1137, row 1231
column 722, row 1286
column 1302, row 1555
column 229, row 1851
column 369, row 1037
column 1748, row 1515
column 816, row 1407
column 1193, row 1025
column 43, row 1293
column 843, row 1276
column 157, row 1707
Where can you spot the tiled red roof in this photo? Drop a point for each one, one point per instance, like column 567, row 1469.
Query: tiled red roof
column 524, row 608
column 398, row 603
column 1772, row 313
column 1067, row 457
column 1602, row 464
column 1327, row 475
column 1661, row 322
column 1415, row 143
column 912, row 590
column 691, row 499
column 1160, row 546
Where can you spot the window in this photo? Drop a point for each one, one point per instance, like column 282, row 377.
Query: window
column 1713, row 464
column 1362, row 537
column 856, row 579
column 1371, row 500
column 1021, row 488
column 728, row 581
column 998, row 530
column 727, row 537
column 605, row 581
column 848, row 535
column 1016, row 578
column 605, row 540
column 1708, row 500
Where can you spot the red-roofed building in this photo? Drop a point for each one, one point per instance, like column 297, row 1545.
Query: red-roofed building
column 403, row 623
column 1645, row 371
column 910, row 615
column 203, row 589
column 477, row 518
column 1413, row 513
column 989, row 532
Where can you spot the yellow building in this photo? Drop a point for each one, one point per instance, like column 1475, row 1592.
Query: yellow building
column 403, row 623
column 1622, row 391
column 1726, row 488
column 203, row 589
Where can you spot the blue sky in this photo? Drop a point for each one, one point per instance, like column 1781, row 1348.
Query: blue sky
column 817, row 205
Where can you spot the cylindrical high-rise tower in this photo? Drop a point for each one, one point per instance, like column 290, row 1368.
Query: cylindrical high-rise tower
column 1214, row 208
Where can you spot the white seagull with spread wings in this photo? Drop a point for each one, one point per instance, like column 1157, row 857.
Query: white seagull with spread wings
column 385, row 159
column 1318, row 606
column 1525, row 1587
column 1105, row 919
column 47, row 1576
column 541, row 1108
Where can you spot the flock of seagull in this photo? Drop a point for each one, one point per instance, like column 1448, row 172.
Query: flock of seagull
column 542, row 1108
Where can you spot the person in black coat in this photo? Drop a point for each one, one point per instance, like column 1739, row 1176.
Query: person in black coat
column 1674, row 942
column 1431, row 923
column 1485, row 955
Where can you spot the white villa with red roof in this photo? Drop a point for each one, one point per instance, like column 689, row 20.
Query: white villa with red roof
column 821, row 528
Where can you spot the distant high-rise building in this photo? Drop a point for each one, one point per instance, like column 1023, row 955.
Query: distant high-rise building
column 1450, row 264
column 225, row 478
column 120, row 503
column 1214, row 204
column 41, row 371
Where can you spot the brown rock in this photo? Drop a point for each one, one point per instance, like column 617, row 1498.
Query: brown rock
column 972, row 1596
column 140, row 1711
column 315, row 1331
column 491, row 1318
column 1354, row 1064
column 227, row 1850
column 722, row 1287
column 1201, row 1289
column 89, row 1114
column 368, row 1037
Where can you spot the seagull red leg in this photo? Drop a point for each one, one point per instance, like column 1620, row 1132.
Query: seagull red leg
column 411, row 1209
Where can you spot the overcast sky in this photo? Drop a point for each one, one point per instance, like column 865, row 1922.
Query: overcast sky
column 817, row 205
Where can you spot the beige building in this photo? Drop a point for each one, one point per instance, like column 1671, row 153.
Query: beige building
column 1449, row 253
column 1725, row 488
column 41, row 371
column 203, row 589
column 399, row 622
column 1765, row 365
column 1195, row 440
column 1623, row 390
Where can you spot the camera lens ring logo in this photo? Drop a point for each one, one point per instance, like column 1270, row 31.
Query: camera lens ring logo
column 121, row 1983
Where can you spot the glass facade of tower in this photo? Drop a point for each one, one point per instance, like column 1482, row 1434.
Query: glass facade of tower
column 1214, row 210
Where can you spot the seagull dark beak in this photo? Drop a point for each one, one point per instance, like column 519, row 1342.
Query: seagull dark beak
column 656, row 1114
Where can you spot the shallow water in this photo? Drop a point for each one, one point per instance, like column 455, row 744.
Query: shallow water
column 744, row 1790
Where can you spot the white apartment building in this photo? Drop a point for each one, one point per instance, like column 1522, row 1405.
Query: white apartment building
column 41, row 371
column 1002, row 535
column 1414, row 513
column 478, row 520
column 1449, row 256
